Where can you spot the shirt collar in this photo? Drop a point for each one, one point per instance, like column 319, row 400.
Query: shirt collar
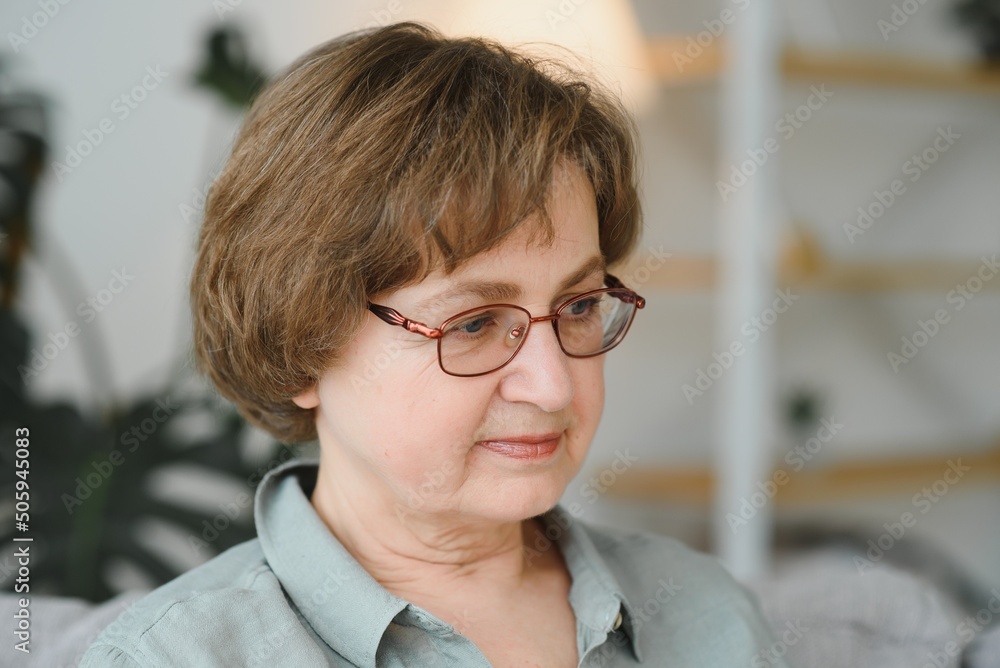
column 342, row 602
column 595, row 595
column 322, row 577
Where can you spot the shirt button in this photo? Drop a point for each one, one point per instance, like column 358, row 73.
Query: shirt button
column 618, row 622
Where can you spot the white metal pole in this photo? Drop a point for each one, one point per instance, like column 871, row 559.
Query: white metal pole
column 750, row 89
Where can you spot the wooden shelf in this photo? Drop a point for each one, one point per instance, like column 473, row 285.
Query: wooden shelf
column 704, row 68
column 898, row 476
column 878, row 70
column 695, row 274
column 802, row 265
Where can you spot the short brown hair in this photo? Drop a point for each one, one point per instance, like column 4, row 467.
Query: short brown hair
column 372, row 160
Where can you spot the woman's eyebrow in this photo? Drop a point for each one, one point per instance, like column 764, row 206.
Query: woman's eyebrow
column 502, row 291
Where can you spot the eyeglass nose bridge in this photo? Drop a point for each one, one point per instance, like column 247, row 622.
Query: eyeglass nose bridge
column 552, row 316
column 518, row 332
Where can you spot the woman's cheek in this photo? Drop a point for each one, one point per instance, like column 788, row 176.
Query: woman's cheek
column 590, row 391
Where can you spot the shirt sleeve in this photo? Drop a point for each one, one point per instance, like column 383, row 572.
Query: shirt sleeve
column 101, row 655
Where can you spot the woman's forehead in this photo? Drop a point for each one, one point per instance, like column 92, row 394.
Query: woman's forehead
column 435, row 295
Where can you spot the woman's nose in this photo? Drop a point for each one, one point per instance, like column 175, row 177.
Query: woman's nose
column 539, row 373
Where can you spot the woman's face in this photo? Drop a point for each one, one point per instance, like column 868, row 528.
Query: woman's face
column 396, row 431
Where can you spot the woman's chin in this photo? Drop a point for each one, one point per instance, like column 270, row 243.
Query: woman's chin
column 516, row 502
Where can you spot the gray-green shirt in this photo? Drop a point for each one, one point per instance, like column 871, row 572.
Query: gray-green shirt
column 294, row 596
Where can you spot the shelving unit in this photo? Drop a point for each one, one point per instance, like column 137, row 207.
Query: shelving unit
column 801, row 264
column 855, row 480
column 859, row 69
column 802, row 268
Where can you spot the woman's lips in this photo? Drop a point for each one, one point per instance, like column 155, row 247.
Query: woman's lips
column 524, row 449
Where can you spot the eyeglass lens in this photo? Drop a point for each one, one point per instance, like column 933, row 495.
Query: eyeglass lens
column 485, row 339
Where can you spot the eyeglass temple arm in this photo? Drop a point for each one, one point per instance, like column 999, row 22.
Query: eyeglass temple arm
column 613, row 282
column 394, row 317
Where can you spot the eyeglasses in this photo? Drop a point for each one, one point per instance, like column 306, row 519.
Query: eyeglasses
column 481, row 340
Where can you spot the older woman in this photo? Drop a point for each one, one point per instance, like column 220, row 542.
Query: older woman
column 407, row 258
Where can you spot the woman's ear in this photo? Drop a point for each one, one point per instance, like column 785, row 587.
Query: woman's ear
column 307, row 399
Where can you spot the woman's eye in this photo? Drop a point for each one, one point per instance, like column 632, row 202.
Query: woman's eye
column 583, row 306
column 472, row 326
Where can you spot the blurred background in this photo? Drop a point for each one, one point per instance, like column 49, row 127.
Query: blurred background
column 817, row 366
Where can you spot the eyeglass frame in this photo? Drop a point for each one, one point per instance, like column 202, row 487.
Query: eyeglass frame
column 393, row 317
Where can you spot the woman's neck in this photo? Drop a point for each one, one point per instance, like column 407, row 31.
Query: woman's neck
column 423, row 556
